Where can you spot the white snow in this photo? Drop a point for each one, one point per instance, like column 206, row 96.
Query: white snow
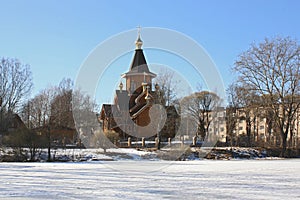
column 125, row 179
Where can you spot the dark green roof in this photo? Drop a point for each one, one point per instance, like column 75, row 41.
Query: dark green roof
column 139, row 63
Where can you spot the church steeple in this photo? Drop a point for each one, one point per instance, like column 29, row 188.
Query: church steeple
column 139, row 72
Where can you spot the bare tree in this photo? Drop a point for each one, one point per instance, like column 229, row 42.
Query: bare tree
column 168, row 87
column 271, row 70
column 51, row 105
column 86, row 122
column 246, row 105
column 61, row 110
column 37, row 111
column 15, row 85
column 58, row 108
column 50, row 109
column 199, row 107
column 36, row 114
column 232, row 114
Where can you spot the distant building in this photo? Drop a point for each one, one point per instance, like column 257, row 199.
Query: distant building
column 11, row 122
column 60, row 127
column 233, row 128
column 133, row 102
column 61, row 122
column 262, row 128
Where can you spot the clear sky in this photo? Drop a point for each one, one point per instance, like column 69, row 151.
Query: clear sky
column 56, row 36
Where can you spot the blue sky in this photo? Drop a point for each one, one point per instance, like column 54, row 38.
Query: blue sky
column 55, row 37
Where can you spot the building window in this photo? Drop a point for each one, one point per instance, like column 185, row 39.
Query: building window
column 240, row 128
column 222, row 129
column 132, row 86
column 262, row 127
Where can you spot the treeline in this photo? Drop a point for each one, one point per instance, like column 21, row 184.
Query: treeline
column 44, row 121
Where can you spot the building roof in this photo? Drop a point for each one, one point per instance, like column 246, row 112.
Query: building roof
column 122, row 99
column 109, row 110
column 106, row 111
column 15, row 121
column 171, row 111
column 139, row 65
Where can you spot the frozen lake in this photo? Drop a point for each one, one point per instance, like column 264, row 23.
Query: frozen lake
column 204, row 179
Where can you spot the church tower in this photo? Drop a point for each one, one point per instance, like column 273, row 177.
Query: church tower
column 138, row 74
column 132, row 104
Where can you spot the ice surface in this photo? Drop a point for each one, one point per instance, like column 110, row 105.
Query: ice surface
column 202, row 179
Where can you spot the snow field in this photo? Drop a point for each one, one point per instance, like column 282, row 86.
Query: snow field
column 202, row 179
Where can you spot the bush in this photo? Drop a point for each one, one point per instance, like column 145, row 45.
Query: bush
column 112, row 136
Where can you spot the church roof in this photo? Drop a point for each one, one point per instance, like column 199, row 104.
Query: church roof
column 139, row 64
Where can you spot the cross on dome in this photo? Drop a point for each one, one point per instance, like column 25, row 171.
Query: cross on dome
column 139, row 42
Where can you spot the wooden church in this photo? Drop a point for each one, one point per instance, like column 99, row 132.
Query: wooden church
column 130, row 114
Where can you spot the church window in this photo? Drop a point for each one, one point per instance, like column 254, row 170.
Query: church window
column 132, row 86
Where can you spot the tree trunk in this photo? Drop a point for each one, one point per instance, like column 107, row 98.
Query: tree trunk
column 158, row 144
column 32, row 152
column 248, row 130
column 199, row 131
column 284, row 144
column 49, row 145
column 291, row 143
column 49, row 153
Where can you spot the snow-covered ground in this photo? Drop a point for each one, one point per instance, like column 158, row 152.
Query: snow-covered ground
column 117, row 154
column 129, row 179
